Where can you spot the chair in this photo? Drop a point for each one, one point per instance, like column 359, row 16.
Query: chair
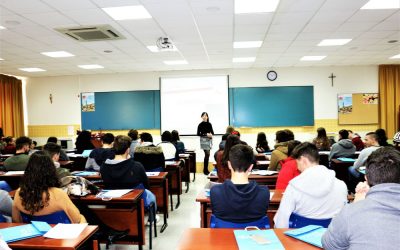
column 53, row 218
column 262, row 223
column 4, row 186
column 298, row 221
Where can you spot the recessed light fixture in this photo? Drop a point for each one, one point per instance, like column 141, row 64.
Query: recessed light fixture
column 128, row 12
column 312, row 58
column 247, row 44
column 334, row 42
column 32, row 69
column 395, row 57
column 255, row 6
column 381, row 4
column 393, row 41
column 107, row 51
column 176, row 62
column 243, row 59
column 90, row 66
column 57, row 54
column 155, row 49
column 1, row 59
column 2, row 28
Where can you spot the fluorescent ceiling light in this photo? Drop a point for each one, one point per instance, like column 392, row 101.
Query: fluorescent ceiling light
column 243, row 59
column 312, row 58
column 127, row 12
column 255, row 6
column 247, row 44
column 395, row 57
column 32, row 69
column 57, row 54
column 381, row 4
column 90, row 66
column 2, row 28
column 1, row 59
column 333, row 42
column 176, row 62
column 155, row 49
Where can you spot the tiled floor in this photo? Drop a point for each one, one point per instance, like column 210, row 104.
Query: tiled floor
column 186, row 216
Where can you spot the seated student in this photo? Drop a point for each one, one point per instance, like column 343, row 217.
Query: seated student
column 84, row 141
column 222, row 158
column 356, row 140
column 39, row 192
column 281, row 149
column 9, row 147
column 322, row 140
column 168, row 148
column 373, row 222
column 289, row 167
column 238, row 199
column 343, row 148
column 53, row 150
column 99, row 155
column 123, row 172
column 134, row 135
column 19, row 161
column 151, row 157
column 5, row 204
column 382, row 137
column 262, row 143
column 179, row 145
column 221, row 147
column 316, row 193
column 63, row 155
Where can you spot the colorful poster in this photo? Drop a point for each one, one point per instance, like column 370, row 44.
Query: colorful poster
column 88, row 104
column 370, row 98
column 345, row 103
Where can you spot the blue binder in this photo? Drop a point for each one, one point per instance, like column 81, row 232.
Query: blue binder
column 245, row 240
column 311, row 234
column 37, row 228
column 345, row 159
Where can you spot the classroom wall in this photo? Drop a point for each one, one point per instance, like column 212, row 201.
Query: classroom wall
column 45, row 118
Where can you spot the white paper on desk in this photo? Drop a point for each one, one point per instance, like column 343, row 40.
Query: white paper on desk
column 270, row 195
column 14, row 172
column 170, row 163
column 152, row 173
column 264, row 172
column 184, row 155
column 66, row 231
column 263, row 162
column 115, row 193
column 74, row 155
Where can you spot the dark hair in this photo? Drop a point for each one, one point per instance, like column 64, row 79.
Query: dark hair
column 22, row 141
column 166, row 136
column 344, row 134
column 146, row 137
column 382, row 137
column 8, row 139
column 373, row 135
column 321, row 134
column 231, row 141
column 292, row 144
column 1, row 133
column 205, row 113
column 52, row 148
column 174, row 136
column 241, row 157
column 34, row 143
column 307, row 150
column 133, row 134
column 108, row 138
column 40, row 175
column 52, row 139
column 229, row 129
column 121, row 144
column 225, row 136
column 289, row 134
column 262, row 141
column 284, row 135
column 383, row 166
column 350, row 131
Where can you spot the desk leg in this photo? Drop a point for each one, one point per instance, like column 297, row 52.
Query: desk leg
column 140, row 221
column 179, row 202
column 187, row 186
column 194, row 176
column 165, row 208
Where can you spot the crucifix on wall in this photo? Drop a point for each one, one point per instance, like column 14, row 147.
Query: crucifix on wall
column 332, row 76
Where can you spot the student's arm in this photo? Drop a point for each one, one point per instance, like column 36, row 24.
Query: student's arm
column 286, row 208
column 336, row 238
column 16, row 215
column 362, row 158
column 91, row 164
column 5, row 203
column 69, row 208
column 273, row 165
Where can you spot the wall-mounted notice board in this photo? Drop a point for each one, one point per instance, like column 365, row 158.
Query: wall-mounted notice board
column 358, row 108
column 121, row 110
column 271, row 106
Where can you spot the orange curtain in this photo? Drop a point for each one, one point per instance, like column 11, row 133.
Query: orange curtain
column 389, row 98
column 11, row 109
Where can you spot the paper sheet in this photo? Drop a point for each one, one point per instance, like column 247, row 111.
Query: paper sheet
column 65, row 231
column 152, row 173
column 113, row 193
column 271, row 194
column 14, row 172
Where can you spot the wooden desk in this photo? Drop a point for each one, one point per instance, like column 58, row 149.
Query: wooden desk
column 192, row 161
column 186, row 170
column 262, row 164
column 221, row 239
column 268, row 180
column 175, row 180
column 46, row 243
column 159, row 187
column 341, row 169
column 205, row 207
column 126, row 212
column 12, row 180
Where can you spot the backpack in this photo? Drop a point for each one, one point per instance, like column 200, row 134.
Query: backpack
column 78, row 186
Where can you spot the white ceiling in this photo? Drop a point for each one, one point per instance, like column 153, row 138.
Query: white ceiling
column 202, row 30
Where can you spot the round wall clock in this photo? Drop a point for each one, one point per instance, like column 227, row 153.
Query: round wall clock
column 272, row 75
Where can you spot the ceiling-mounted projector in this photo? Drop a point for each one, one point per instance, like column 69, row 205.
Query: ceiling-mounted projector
column 164, row 43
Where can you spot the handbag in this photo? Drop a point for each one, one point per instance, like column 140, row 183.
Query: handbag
column 205, row 143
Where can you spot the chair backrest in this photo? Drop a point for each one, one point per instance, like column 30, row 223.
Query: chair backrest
column 2, row 218
column 53, row 218
column 298, row 221
column 4, row 186
column 218, row 223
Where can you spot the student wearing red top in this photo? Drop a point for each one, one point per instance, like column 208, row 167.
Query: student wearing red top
column 222, row 158
column 289, row 167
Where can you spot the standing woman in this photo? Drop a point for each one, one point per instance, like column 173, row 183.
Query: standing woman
column 205, row 131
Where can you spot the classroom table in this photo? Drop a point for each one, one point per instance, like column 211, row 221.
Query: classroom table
column 223, row 238
column 46, row 243
column 192, row 161
column 268, row 180
column 205, row 207
column 186, row 170
column 174, row 169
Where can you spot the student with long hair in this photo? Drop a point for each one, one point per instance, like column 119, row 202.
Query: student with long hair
column 262, row 143
column 205, row 131
column 223, row 157
column 322, row 140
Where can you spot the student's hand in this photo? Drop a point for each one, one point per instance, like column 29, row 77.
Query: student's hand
column 361, row 191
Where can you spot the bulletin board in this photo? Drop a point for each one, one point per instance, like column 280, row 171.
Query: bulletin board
column 358, row 108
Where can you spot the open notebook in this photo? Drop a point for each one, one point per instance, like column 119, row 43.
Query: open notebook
column 311, row 234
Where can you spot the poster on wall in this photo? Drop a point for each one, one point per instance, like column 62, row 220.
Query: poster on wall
column 88, row 104
column 345, row 103
column 370, row 98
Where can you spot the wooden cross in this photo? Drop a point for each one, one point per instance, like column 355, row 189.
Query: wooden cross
column 332, row 76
